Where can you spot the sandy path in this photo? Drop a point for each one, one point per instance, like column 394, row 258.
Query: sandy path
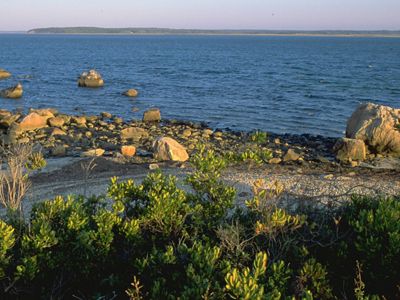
column 66, row 176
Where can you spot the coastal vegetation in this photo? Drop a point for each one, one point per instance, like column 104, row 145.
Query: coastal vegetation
column 166, row 239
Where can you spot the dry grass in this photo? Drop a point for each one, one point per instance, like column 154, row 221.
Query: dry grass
column 14, row 181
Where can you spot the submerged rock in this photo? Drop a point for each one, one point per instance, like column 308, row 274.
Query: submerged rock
column 131, row 93
column 106, row 115
column 91, row 79
column 348, row 150
column 378, row 126
column 12, row 92
column 4, row 74
column 152, row 115
column 166, row 148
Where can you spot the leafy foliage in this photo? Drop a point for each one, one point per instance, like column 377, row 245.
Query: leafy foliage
column 164, row 238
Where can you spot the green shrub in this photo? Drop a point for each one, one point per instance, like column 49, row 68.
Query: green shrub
column 245, row 284
column 158, row 240
column 212, row 198
column 259, row 137
column 7, row 241
column 375, row 242
column 313, row 278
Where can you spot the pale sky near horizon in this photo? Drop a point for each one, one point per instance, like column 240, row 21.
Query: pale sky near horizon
column 203, row 14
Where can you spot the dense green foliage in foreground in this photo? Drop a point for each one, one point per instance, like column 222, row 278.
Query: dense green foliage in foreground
column 156, row 241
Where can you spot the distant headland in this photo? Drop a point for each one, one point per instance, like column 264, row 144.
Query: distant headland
column 169, row 31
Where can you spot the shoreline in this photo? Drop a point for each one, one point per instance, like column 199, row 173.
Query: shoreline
column 312, row 174
column 222, row 34
column 77, row 135
column 77, row 129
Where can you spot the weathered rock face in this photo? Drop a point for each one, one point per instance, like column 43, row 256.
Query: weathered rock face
column 134, row 133
column 350, row 150
column 33, row 121
column 131, row 93
column 4, row 74
column 14, row 92
column 377, row 126
column 91, row 79
column 152, row 115
column 166, row 148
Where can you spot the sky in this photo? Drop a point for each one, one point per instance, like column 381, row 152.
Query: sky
column 203, row 14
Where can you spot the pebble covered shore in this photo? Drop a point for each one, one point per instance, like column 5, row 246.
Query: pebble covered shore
column 67, row 135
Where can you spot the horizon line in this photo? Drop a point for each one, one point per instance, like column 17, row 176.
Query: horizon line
column 203, row 29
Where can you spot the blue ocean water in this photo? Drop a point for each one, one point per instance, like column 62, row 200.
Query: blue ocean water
column 278, row 84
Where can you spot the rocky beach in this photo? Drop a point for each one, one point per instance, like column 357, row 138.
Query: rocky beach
column 306, row 165
column 199, row 167
column 310, row 167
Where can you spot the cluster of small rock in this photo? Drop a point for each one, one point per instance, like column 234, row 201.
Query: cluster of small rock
column 372, row 131
column 147, row 140
column 61, row 135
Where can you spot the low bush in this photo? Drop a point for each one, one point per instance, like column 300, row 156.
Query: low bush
column 165, row 239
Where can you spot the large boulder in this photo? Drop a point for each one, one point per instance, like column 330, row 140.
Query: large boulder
column 134, row 133
column 166, row 148
column 350, row 150
column 4, row 74
column 12, row 92
column 152, row 115
column 378, row 126
column 91, row 79
column 130, row 93
column 33, row 121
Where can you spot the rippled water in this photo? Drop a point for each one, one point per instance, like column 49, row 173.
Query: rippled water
column 277, row 84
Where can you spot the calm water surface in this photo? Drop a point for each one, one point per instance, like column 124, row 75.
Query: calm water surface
column 277, row 84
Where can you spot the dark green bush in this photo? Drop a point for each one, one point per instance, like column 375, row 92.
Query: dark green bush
column 156, row 240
